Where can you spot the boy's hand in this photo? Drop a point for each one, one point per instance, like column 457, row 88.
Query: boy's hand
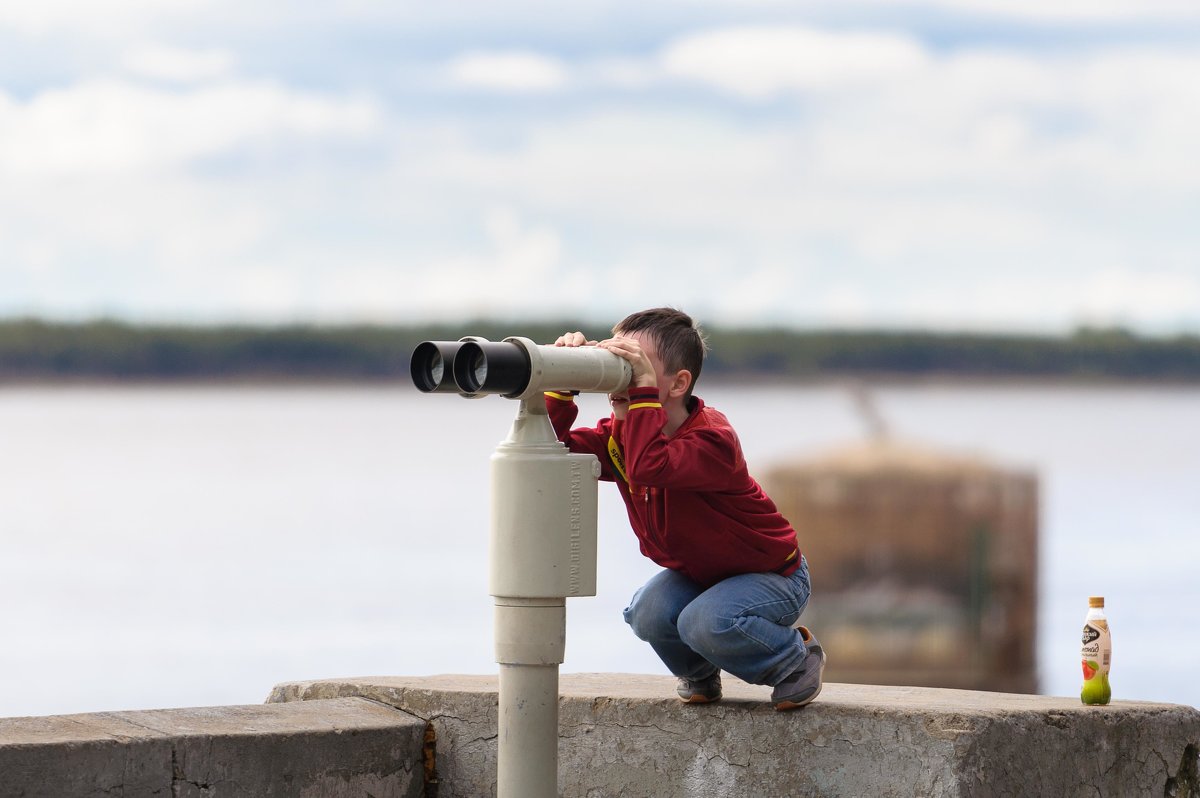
column 573, row 339
column 629, row 348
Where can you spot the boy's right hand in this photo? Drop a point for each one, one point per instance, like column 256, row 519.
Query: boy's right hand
column 573, row 339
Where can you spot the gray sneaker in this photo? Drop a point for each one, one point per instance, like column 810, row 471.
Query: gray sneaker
column 700, row 691
column 804, row 684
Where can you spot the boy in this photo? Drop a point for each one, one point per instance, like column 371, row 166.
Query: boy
column 734, row 581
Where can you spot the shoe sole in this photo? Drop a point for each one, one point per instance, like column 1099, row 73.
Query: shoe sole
column 699, row 699
column 784, row 706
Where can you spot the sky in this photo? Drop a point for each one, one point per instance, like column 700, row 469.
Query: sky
column 949, row 164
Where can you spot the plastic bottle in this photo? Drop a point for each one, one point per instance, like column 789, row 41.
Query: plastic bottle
column 1097, row 654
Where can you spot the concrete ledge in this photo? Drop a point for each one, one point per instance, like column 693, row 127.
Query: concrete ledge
column 344, row 747
column 626, row 735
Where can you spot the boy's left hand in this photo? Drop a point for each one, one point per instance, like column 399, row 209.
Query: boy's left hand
column 631, row 350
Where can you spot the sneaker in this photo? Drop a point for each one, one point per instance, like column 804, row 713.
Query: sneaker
column 700, row 691
column 804, row 684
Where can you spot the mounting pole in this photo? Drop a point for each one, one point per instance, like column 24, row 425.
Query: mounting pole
column 543, row 549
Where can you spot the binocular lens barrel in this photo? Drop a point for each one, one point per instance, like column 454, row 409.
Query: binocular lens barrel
column 430, row 366
column 485, row 367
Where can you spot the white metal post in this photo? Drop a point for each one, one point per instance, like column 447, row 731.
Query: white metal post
column 543, row 537
column 543, row 549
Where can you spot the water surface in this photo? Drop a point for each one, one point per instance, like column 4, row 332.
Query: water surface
column 183, row 546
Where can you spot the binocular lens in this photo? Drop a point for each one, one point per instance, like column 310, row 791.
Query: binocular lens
column 437, row 367
column 479, row 367
column 429, row 366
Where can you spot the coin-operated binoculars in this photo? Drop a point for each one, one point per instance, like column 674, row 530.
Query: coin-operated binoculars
column 543, row 531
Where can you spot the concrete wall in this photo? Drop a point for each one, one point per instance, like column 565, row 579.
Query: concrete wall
column 623, row 735
column 620, row 735
column 339, row 748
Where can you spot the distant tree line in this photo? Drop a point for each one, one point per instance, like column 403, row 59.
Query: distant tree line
column 33, row 349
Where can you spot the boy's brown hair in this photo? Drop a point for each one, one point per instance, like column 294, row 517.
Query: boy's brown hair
column 678, row 339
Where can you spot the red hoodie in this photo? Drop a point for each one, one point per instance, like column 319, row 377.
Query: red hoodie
column 692, row 503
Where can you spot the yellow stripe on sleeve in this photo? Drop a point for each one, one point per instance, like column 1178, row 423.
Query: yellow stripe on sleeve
column 562, row 397
column 618, row 459
column 645, row 404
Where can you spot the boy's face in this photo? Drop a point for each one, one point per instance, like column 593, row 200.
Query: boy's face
column 620, row 401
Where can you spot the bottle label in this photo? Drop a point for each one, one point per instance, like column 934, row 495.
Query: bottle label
column 1097, row 649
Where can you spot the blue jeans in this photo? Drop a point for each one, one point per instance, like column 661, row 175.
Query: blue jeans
column 742, row 625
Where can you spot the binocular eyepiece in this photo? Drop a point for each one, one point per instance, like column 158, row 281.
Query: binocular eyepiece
column 515, row 368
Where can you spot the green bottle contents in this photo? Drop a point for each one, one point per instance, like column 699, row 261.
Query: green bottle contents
column 1097, row 654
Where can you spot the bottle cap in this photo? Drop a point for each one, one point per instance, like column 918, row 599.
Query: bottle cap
column 1095, row 601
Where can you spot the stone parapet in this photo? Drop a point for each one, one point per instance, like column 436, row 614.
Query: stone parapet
column 627, row 735
column 619, row 735
column 332, row 749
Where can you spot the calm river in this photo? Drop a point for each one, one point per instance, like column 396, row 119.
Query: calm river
column 185, row 546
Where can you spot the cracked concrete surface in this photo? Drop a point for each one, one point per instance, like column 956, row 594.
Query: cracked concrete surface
column 627, row 735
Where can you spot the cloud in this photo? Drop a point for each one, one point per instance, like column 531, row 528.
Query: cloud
column 1044, row 169
column 791, row 173
column 1066, row 10
column 110, row 17
column 516, row 72
column 763, row 62
column 658, row 168
column 1141, row 296
column 111, row 126
column 883, row 110
column 622, row 73
column 520, row 268
column 1115, row 116
column 1036, row 11
column 165, row 62
column 1038, row 298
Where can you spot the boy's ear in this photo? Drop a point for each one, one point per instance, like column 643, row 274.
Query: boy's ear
column 680, row 383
